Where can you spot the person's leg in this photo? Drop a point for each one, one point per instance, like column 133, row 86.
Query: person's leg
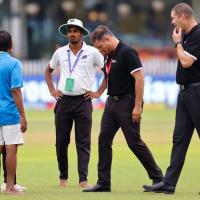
column 194, row 108
column 131, row 131
column 142, row 152
column 108, row 129
column 4, row 165
column 83, row 125
column 4, row 162
column 183, row 131
column 187, row 117
column 11, row 164
column 3, row 185
column 1, row 146
column 63, row 124
column 12, row 137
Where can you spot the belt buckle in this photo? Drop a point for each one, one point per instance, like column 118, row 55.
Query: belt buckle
column 115, row 98
column 182, row 87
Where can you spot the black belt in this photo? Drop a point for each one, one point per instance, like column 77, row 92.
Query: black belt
column 119, row 97
column 186, row 86
column 73, row 96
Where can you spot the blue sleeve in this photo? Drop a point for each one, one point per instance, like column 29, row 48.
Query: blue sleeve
column 16, row 76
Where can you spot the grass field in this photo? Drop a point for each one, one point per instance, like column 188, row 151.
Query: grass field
column 37, row 166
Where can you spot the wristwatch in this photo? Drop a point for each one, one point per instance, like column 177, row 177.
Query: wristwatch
column 179, row 42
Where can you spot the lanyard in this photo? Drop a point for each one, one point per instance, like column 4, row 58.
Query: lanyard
column 108, row 67
column 71, row 68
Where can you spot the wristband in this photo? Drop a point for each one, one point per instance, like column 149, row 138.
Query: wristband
column 179, row 42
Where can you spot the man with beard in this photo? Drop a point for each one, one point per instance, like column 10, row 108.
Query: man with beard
column 77, row 62
column 186, row 36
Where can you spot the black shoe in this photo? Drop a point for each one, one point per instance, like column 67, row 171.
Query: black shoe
column 98, row 188
column 155, row 181
column 160, row 188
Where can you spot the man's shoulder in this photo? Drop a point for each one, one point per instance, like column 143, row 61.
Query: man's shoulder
column 194, row 33
column 90, row 48
column 61, row 49
column 128, row 46
column 12, row 61
column 127, row 49
column 197, row 32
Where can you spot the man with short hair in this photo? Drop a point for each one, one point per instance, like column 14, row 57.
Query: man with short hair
column 78, row 63
column 12, row 116
column 124, row 80
column 186, row 36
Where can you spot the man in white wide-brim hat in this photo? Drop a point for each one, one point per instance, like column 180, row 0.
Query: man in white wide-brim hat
column 73, row 22
column 77, row 62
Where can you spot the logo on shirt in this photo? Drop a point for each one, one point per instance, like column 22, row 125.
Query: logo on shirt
column 113, row 61
column 84, row 57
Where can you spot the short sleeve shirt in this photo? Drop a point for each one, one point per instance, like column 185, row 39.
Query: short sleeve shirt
column 191, row 45
column 125, row 61
column 83, row 72
column 10, row 78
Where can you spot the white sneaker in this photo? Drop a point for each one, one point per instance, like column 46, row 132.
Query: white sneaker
column 20, row 187
column 3, row 187
column 17, row 187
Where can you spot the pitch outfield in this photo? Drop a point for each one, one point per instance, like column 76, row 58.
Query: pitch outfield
column 37, row 168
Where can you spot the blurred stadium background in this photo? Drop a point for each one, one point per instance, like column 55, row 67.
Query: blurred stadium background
column 144, row 24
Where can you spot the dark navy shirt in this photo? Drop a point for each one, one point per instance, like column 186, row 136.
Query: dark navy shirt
column 191, row 45
column 125, row 61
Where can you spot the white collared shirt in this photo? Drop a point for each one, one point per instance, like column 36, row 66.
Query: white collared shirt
column 83, row 73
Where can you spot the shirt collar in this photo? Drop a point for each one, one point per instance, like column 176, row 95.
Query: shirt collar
column 196, row 27
column 3, row 52
column 84, row 46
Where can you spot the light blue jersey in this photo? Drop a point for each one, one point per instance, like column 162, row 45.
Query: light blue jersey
column 10, row 77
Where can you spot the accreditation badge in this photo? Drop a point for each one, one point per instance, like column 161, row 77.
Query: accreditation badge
column 69, row 84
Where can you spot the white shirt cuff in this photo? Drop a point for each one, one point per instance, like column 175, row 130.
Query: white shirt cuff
column 190, row 55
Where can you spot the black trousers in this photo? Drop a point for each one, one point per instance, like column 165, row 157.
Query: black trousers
column 117, row 114
column 187, row 119
column 79, row 110
column 4, row 165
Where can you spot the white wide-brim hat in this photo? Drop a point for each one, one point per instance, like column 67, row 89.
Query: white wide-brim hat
column 73, row 22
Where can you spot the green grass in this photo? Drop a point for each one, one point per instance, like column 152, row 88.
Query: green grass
column 37, row 166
